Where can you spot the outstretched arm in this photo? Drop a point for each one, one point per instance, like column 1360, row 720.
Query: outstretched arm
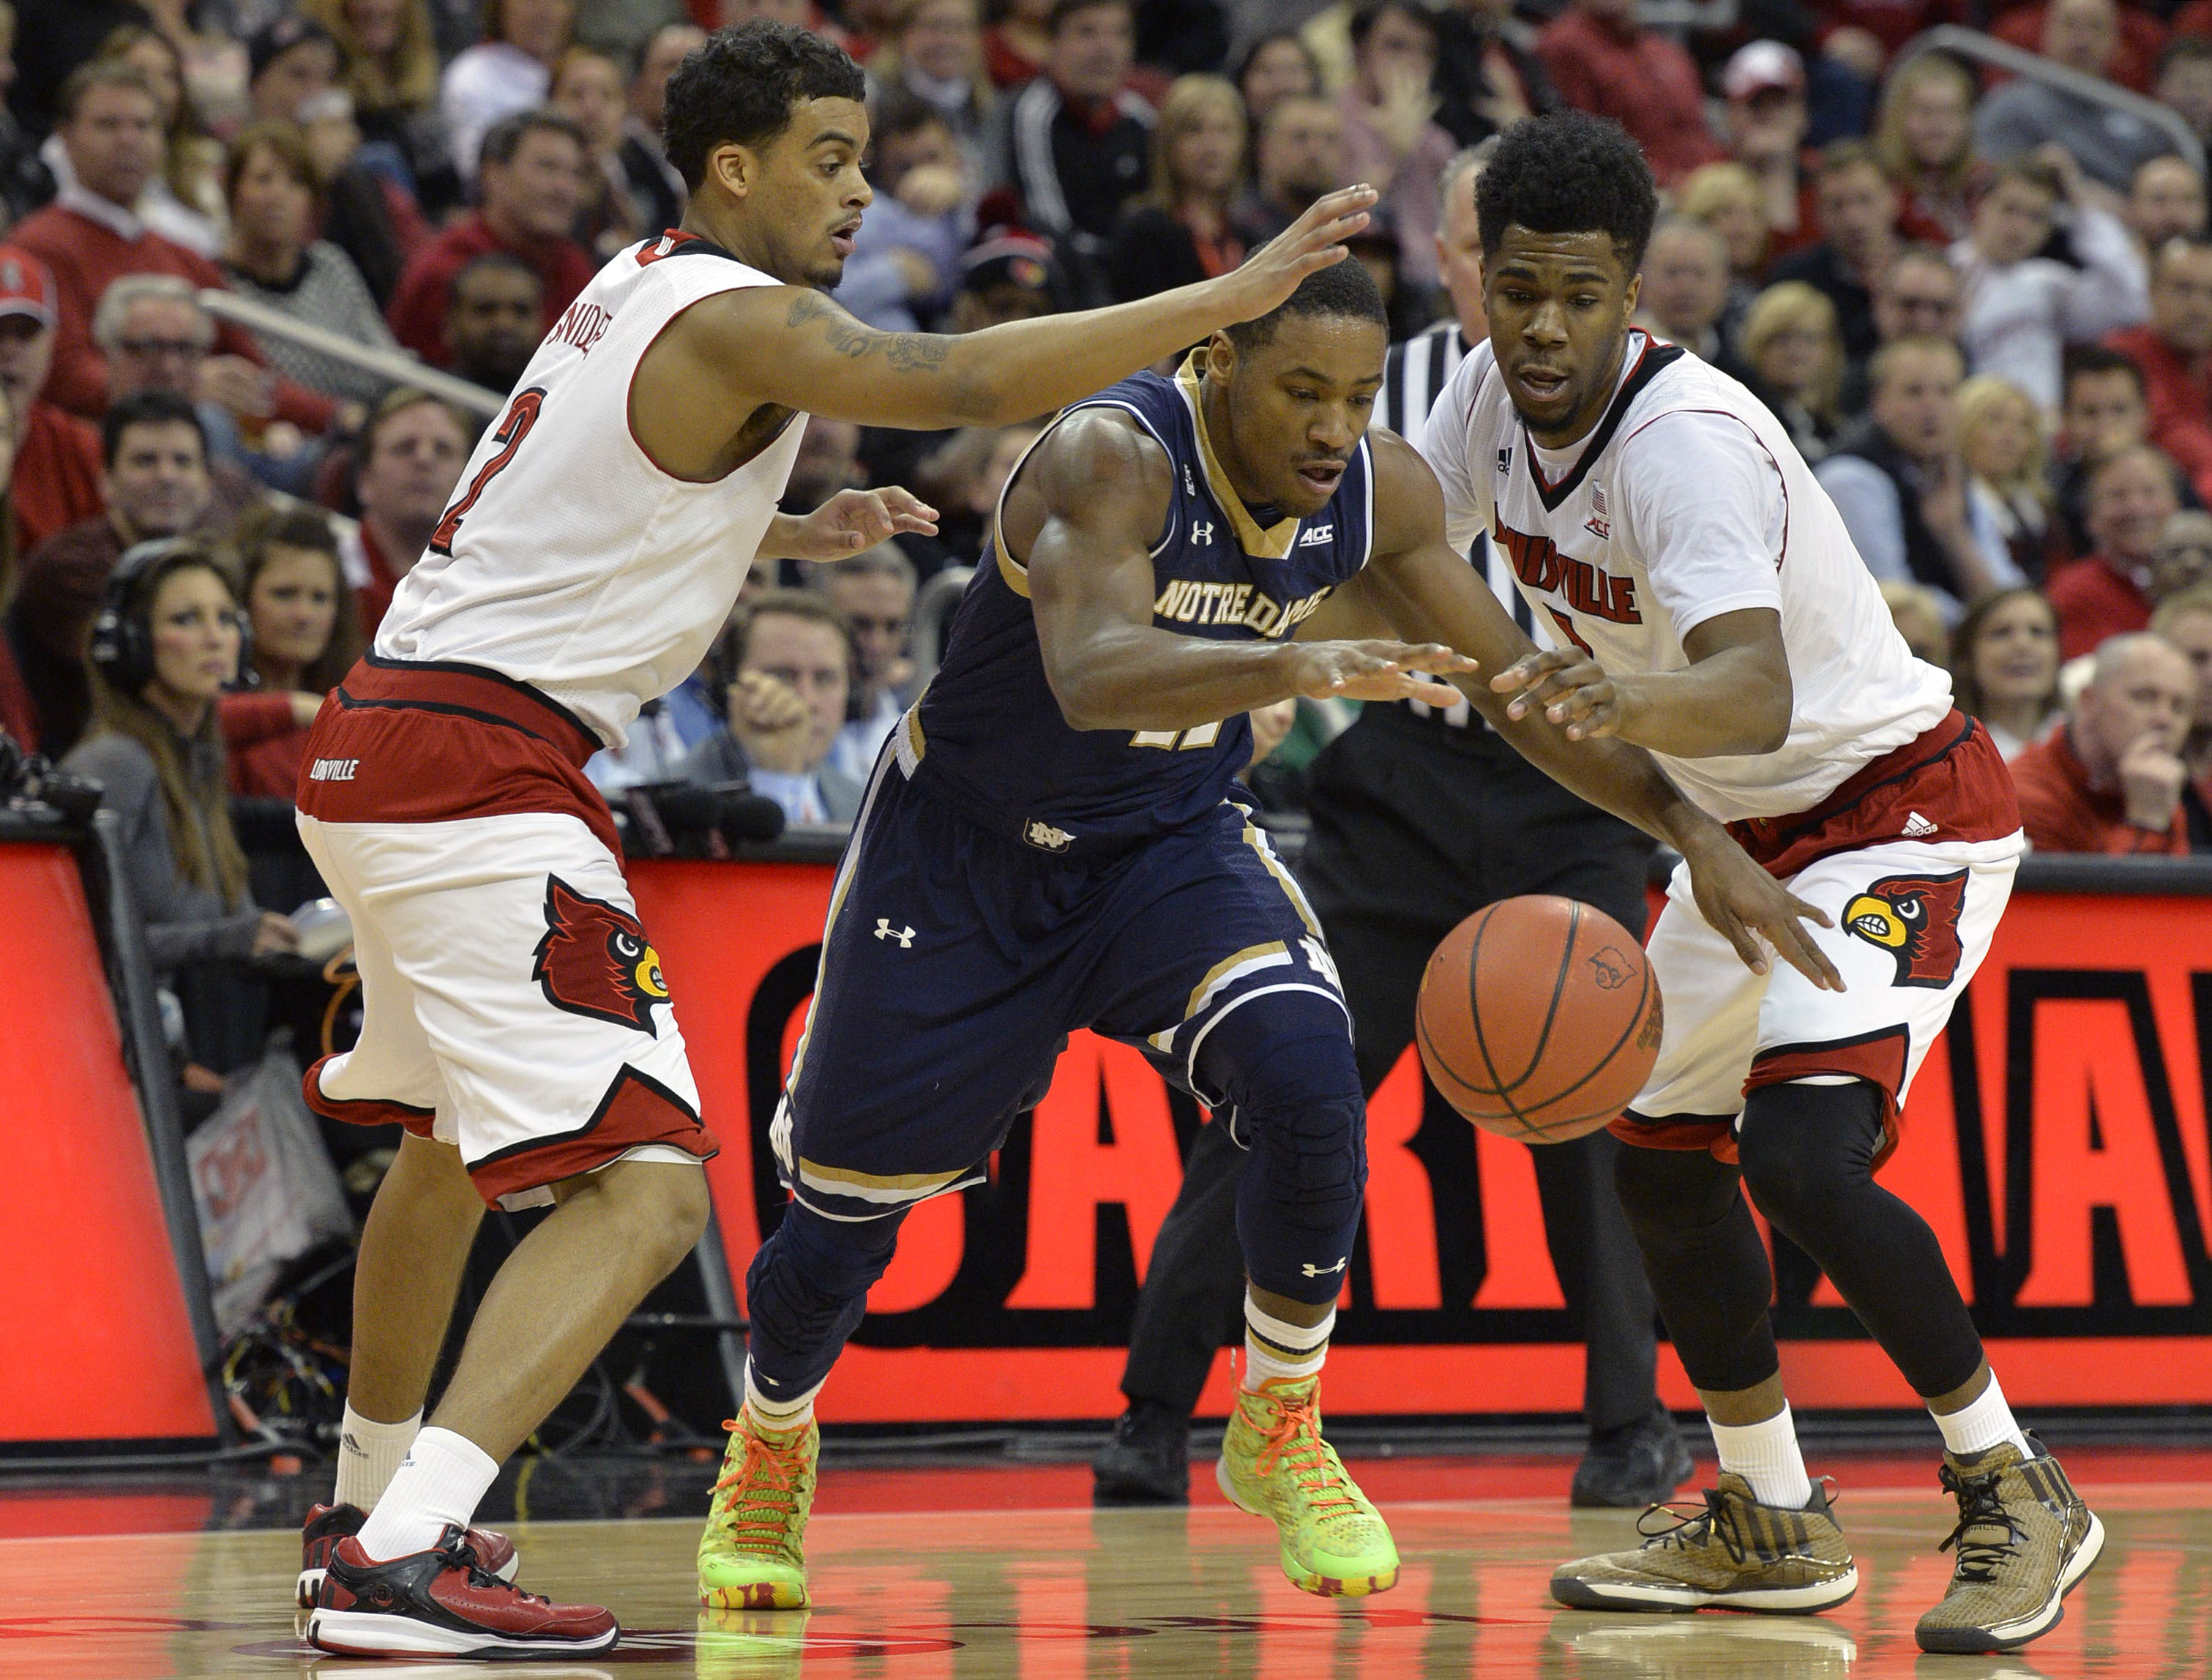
column 1089, row 504
column 1424, row 589
column 791, row 346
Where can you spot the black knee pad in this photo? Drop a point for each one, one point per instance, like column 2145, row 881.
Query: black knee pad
column 1807, row 1150
column 1283, row 1066
column 807, row 1290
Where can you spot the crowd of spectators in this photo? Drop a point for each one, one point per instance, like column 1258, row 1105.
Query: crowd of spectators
column 1981, row 303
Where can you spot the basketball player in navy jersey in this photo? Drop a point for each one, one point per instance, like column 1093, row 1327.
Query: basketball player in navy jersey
column 1420, row 817
column 1049, row 842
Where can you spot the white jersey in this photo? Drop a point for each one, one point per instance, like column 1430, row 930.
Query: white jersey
column 1687, row 500
column 569, row 560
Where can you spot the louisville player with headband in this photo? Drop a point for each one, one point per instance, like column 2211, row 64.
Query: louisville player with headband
column 1710, row 607
column 517, row 1022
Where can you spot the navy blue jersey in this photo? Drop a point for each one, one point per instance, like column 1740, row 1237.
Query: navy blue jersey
column 988, row 735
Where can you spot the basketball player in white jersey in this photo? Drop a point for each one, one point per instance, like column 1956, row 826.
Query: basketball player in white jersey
column 517, row 1021
column 1709, row 605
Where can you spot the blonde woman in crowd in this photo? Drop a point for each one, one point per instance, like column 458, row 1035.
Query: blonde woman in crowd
column 1918, row 616
column 1924, row 141
column 391, row 72
column 2005, row 441
column 1790, row 344
column 1179, row 232
column 1729, row 199
column 2004, row 667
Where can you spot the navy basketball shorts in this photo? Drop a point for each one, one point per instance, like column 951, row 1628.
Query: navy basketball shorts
column 957, row 960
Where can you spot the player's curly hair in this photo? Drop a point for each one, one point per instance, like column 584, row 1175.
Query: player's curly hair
column 1568, row 172
column 740, row 87
column 1344, row 288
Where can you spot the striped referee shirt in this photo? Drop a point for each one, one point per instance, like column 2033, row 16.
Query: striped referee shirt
column 1413, row 377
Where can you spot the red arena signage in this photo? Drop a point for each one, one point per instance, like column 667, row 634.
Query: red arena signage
column 2057, row 1139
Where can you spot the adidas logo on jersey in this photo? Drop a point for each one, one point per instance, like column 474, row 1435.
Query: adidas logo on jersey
column 1315, row 535
column 1917, row 827
column 1505, row 458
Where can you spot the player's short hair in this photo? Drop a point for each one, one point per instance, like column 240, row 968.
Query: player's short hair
column 2095, row 361
column 1344, row 288
column 1569, row 173
column 739, row 89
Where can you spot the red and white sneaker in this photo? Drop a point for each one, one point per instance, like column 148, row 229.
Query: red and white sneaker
column 327, row 1525
column 442, row 1603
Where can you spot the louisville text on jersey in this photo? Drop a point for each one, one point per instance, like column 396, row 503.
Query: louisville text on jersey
column 1589, row 590
column 1186, row 601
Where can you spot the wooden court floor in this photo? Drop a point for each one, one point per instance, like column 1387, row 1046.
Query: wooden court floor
column 1042, row 1594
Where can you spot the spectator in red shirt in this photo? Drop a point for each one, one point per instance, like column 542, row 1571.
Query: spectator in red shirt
column 2112, row 780
column 2131, row 495
column 530, row 187
column 57, row 455
column 306, row 637
column 90, row 237
column 1602, row 60
column 411, row 458
column 2172, row 350
column 1765, row 83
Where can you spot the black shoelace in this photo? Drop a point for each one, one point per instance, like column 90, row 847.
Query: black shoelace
column 1718, row 1520
column 1980, row 1508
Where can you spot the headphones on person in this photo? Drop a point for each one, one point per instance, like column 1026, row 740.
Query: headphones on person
column 121, row 645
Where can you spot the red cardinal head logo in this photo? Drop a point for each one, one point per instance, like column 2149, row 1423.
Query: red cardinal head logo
column 1916, row 919
column 594, row 960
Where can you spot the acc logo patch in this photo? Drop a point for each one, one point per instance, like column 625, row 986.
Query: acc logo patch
column 1916, row 919
column 594, row 960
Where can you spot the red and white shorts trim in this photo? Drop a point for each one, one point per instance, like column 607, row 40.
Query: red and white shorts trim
column 511, row 1004
column 1914, row 916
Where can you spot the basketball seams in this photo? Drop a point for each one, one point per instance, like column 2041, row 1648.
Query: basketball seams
column 1558, row 991
column 1498, row 1086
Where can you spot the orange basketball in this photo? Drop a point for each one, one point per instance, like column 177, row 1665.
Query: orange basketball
column 1539, row 1019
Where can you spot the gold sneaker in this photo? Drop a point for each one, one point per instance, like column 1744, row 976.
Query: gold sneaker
column 1736, row 1553
column 2024, row 1541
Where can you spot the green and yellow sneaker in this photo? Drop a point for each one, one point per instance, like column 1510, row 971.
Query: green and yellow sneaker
column 1275, row 1465
column 2024, row 1541
column 752, row 1556
column 1735, row 1554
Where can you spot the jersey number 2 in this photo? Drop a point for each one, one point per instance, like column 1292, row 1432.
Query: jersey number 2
column 514, row 426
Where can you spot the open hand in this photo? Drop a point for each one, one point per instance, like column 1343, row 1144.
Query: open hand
column 1755, row 913
column 1313, row 241
column 1572, row 689
column 854, row 519
column 1378, row 670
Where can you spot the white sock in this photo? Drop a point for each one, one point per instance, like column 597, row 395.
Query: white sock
column 368, row 1455
column 1273, row 1349
column 442, row 1479
column 778, row 1414
column 1982, row 1424
column 1765, row 1455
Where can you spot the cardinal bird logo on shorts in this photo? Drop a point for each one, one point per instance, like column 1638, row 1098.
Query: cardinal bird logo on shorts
column 594, row 960
column 1916, row 919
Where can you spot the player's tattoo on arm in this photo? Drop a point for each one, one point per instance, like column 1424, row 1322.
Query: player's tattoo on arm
column 903, row 352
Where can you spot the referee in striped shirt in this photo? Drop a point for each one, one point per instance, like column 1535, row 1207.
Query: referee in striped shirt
column 1420, row 817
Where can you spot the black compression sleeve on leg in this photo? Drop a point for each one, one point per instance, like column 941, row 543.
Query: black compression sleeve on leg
column 1808, row 1153
column 1707, row 1265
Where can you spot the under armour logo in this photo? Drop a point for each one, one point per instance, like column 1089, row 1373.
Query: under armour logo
column 1202, row 531
column 903, row 935
column 1311, row 1270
